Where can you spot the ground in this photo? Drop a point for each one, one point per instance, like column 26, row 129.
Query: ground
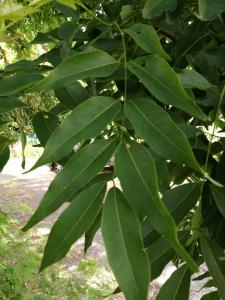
column 20, row 194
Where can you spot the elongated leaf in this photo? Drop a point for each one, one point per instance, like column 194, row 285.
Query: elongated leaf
column 219, row 197
column 9, row 103
column 121, row 234
column 135, row 160
column 161, row 80
column 214, row 258
column 73, row 223
column 86, row 121
column 94, row 63
column 90, row 233
column 4, row 156
column 14, row 84
column 177, row 286
column 154, row 8
column 71, row 95
column 80, row 169
column 146, row 37
column 156, row 127
column 193, row 79
column 209, row 9
column 211, row 296
column 44, row 124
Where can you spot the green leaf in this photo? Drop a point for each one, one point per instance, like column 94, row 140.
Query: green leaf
column 90, row 233
column 210, row 9
column 85, row 121
column 80, row 169
column 192, row 79
column 121, row 234
column 146, row 37
column 4, row 156
column 214, row 258
column 136, row 160
column 44, row 124
column 153, row 8
column 23, row 140
column 156, row 127
column 9, row 103
column 211, row 296
column 219, row 197
column 71, row 95
column 75, row 220
column 177, row 286
column 15, row 84
column 162, row 82
column 93, row 63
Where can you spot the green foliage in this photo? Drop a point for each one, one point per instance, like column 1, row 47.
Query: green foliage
column 142, row 82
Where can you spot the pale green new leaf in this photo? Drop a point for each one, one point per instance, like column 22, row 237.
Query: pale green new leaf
column 141, row 189
column 162, row 82
column 146, row 37
column 93, row 63
column 73, row 223
column 161, row 133
column 79, row 170
column 177, row 286
column 215, row 260
column 122, row 239
column 154, row 8
column 86, row 121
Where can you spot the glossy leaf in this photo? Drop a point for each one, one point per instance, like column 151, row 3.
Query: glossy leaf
column 210, row 9
column 146, row 37
column 14, row 84
column 93, row 63
column 121, row 234
column 135, row 160
column 75, row 220
column 193, row 79
column 219, row 197
column 154, row 8
column 162, row 82
column 177, row 286
column 156, row 127
column 9, row 103
column 80, row 169
column 44, row 124
column 85, row 121
column 214, row 258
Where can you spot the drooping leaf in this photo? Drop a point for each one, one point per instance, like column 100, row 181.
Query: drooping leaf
column 9, row 103
column 210, row 9
column 126, row 256
column 14, row 84
column 154, row 8
column 162, row 82
column 156, row 127
column 85, row 121
column 79, row 170
column 90, row 233
column 23, row 140
column 177, row 286
column 193, row 79
column 135, row 160
column 146, row 37
column 4, row 156
column 44, row 124
column 219, row 197
column 73, row 223
column 71, row 95
column 93, row 63
column 215, row 260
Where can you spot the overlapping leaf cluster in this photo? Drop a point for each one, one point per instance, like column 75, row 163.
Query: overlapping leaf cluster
column 142, row 85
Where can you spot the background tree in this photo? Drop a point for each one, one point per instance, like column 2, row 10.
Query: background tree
column 141, row 82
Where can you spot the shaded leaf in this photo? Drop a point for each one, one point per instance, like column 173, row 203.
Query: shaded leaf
column 146, row 37
column 192, row 79
column 211, row 296
column 124, row 247
column 154, row 8
column 85, row 121
column 4, row 156
column 79, row 170
column 72, row 223
column 219, row 197
column 162, row 82
column 9, row 103
column 210, row 9
column 156, row 127
column 90, row 233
